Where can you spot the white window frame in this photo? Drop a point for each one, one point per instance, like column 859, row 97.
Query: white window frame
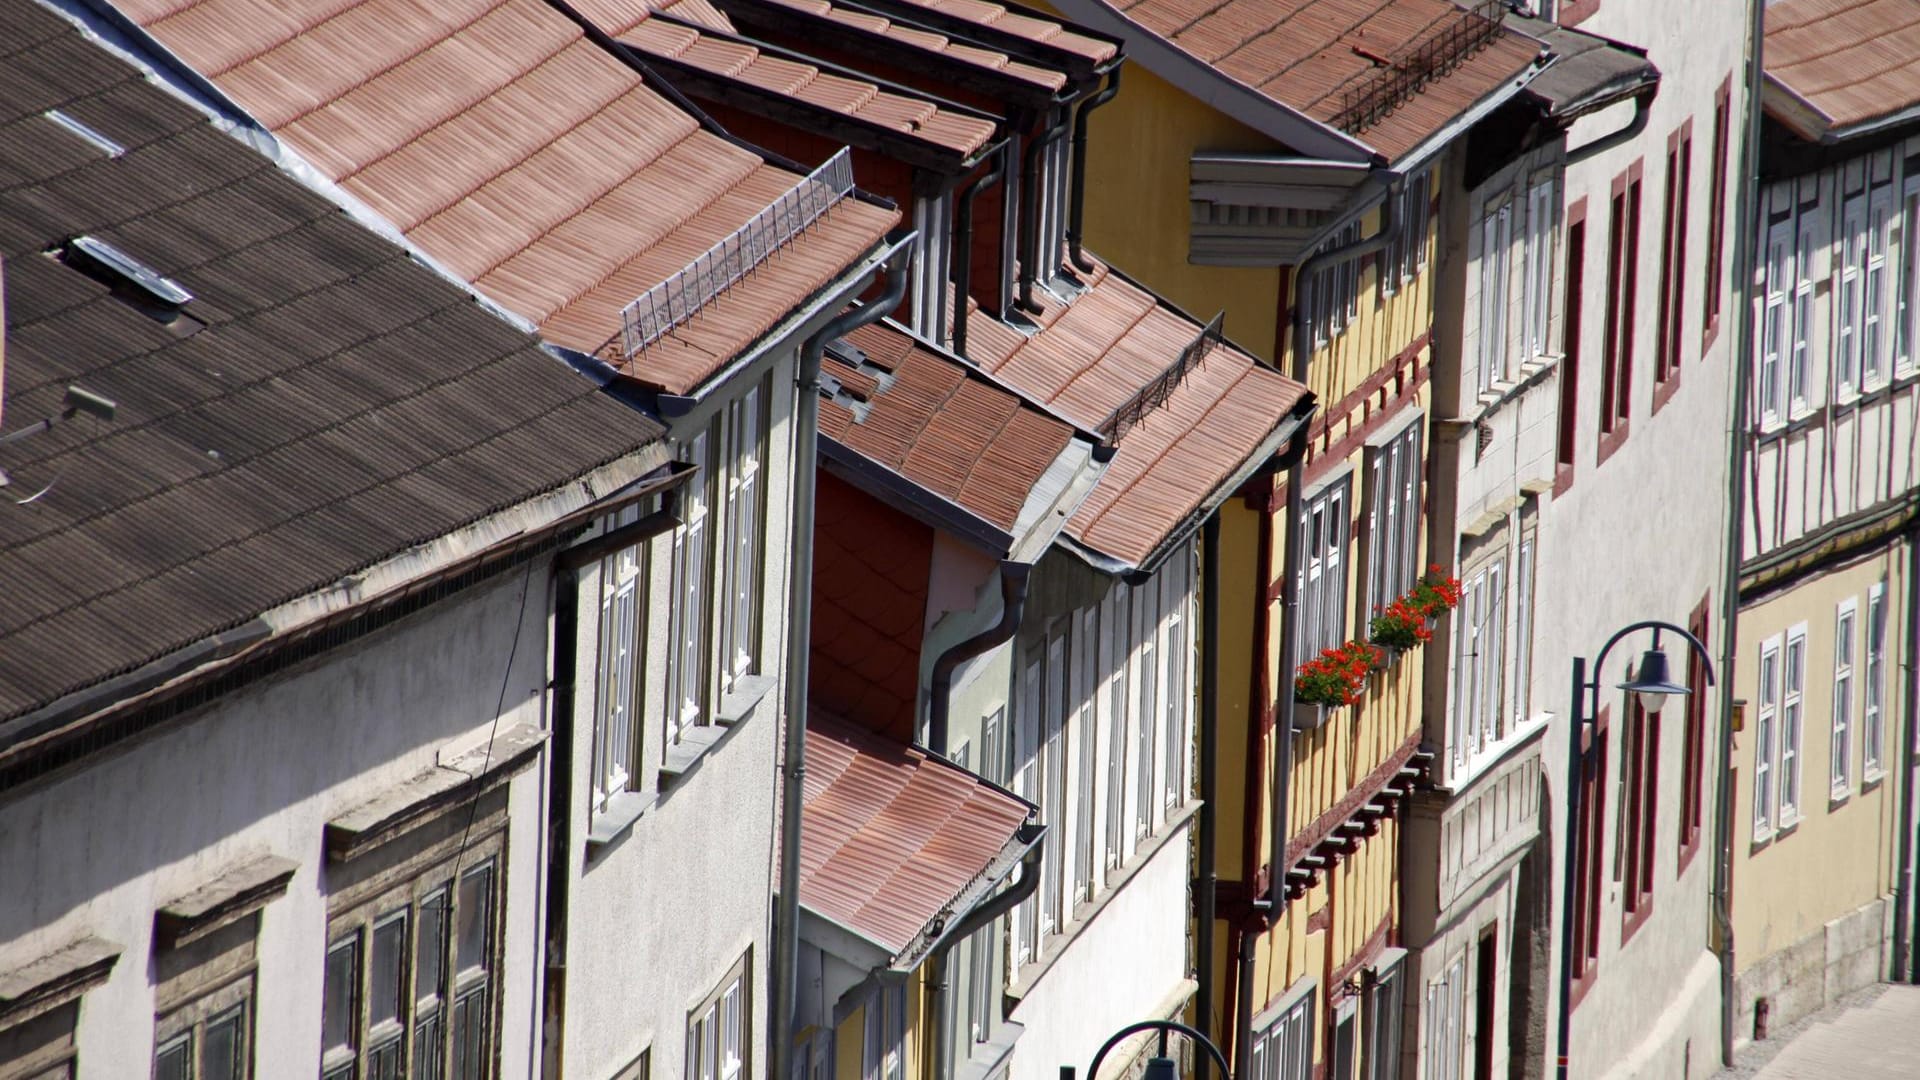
column 743, row 568
column 1394, row 470
column 1876, row 325
column 1799, row 359
column 1766, row 738
column 1846, row 298
column 885, row 1034
column 1176, row 694
column 1907, row 281
column 1116, row 614
column 719, row 1042
column 1333, row 293
column 1522, row 691
column 1446, row 1029
column 1146, row 612
column 1542, row 205
column 1770, row 379
column 617, row 732
column 1325, row 522
column 1084, row 742
column 1282, row 1048
column 1793, row 668
column 1873, row 714
column 690, row 656
column 1846, row 623
column 1496, row 270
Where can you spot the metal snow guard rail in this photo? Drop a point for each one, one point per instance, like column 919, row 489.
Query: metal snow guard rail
column 1155, row 394
column 1407, row 74
column 674, row 301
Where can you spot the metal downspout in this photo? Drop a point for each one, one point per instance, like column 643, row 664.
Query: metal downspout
column 1743, row 257
column 1243, row 1023
column 941, row 1044
column 1303, row 278
column 1076, row 213
column 1903, row 965
column 1030, row 214
column 1642, row 110
column 1013, row 603
column 963, row 226
column 806, row 455
column 1208, row 869
column 566, row 621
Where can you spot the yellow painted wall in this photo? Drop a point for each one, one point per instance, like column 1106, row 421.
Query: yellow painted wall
column 1841, row 855
column 1138, row 151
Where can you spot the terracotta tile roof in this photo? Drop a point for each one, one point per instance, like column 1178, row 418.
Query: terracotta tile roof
column 1316, row 56
column 872, row 564
column 1091, row 356
column 1035, row 26
column 746, row 62
column 522, row 156
column 342, row 405
column 942, row 427
column 894, row 836
column 1847, row 61
column 896, row 40
column 618, row 16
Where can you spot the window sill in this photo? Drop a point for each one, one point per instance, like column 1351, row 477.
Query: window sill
column 682, row 758
column 989, row 1056
column 1495, row 397
column 1870, row 779
column 1495, row 755
column 1061, row 940
column 1632, row 921
column 1838, row 798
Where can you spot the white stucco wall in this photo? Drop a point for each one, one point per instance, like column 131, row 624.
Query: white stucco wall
column 1642, row 536
column 261, row 772
column 1121, row 968
column 658, row 916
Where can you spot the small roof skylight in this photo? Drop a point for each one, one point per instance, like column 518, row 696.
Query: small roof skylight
column 116, row 269
column 105, row 145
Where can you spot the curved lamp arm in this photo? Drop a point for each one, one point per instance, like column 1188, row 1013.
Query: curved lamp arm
column 1162, row 1026
column 1656, row 625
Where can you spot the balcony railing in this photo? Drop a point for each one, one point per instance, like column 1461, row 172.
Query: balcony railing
column 677, row 299
column 1155, row 393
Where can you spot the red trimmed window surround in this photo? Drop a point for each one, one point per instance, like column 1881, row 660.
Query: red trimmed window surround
column 1673, row 265
column 1716, row 215
column 1570, row 348
column 1641, row 760
column 1693, row 749
column 1590, row 834
column 1623, row 281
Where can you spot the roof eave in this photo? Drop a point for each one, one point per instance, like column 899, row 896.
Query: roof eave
column 1078, row 68
column 912, row 498
column 1294, row 421
column 1413, row 159
column 930, row 936
column 1278, row 121
column 1794, row 112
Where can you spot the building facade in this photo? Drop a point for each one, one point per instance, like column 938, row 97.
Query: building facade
column 1826, row 544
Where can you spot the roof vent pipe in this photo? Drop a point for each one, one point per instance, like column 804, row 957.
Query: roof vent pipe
column 1013, row 603
column 963, row 228
column 806, row 454
column 1077, row 213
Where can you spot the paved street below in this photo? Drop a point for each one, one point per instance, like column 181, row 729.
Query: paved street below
column 1874, row 1035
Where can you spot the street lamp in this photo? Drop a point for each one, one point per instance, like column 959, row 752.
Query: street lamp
column 1159, row 1066
column 1651, row 685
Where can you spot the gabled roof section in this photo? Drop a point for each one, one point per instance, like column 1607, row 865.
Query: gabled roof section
column 898, row 40
column 896, row 842
column 1386, row 75
column 1023, row 31
column 960, row 451
column 750, row 74
column 322, row 403
column 524, row 157
column 1838, row 67
column 1193, row 414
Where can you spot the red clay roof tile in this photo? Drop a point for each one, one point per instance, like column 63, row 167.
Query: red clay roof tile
column 1849, row 60
column 522, row 156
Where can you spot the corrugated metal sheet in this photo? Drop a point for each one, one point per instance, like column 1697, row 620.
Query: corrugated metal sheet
column 746, row 62
column 1307, row 54
column 1850, row 60
column 341, row 405
column 520, row 154
column 1090, row 356
column 892, row 834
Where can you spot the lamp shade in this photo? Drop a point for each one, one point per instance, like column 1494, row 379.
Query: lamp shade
column 1652, row 683
column 1160, row 1068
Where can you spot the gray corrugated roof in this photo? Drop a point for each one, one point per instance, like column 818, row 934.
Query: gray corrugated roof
column 1588, row 70
column 342, row 405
